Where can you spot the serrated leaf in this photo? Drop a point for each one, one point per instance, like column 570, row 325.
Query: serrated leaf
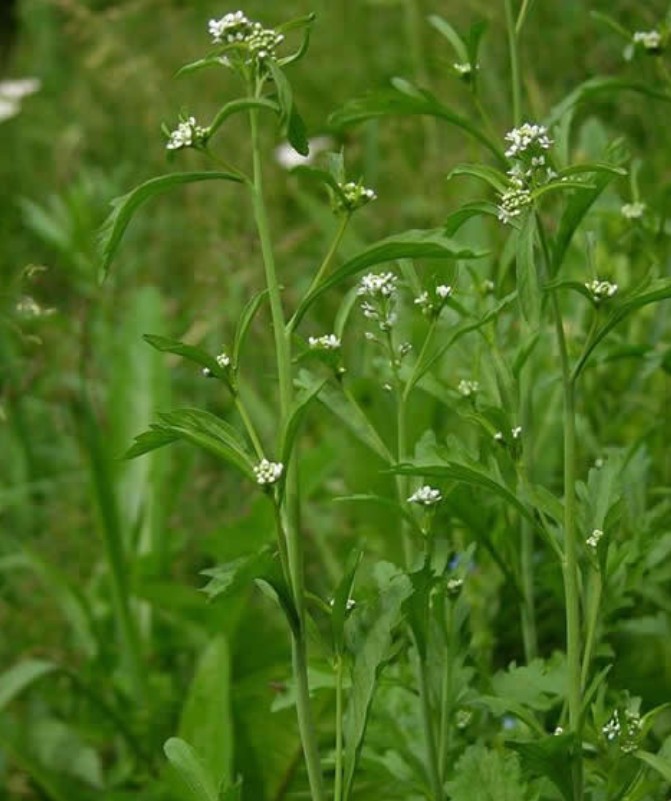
column 537, row 685
column 414, row 244
column 369, row 637
column 196, row 782
column 206, row 720
column 549, row 756
column 228, row 578
column 402, row 102
column 20, row 676
column 482, row 774
column 124, row 207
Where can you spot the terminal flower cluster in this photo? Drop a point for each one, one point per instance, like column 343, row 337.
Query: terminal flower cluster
column 267, row 472
column 625, row 729
column 593, row 540
column 380, row 292
column 187, row 134
column 649, row 40
column 237, row 31
column 426, row 496
column 431, row 303
column 352, row 197
column 600, row 290
column 528, row 147
column 633, row 211
column 468, row 388
column 326, row 342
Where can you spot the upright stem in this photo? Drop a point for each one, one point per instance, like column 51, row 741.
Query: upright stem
column 337, row 792
column 570, row 562
column 446, row 693
column 429, row 736
column 290, row 529
column 514, row 62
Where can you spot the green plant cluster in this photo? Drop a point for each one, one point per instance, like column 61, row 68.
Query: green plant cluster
column 336, row 453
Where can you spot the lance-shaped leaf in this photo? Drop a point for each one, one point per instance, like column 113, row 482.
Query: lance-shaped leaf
column 190, row 352
column 230, row 577
column 650, row 292
column 528, row 289
column 469, row 473
column 414, row 244
column 124, row 207
column 19, row 677
column 244, row 322
column 466, row 212
column 497, row 179
column 292, row 124
column 237, row 106
column 405, row 100
column 196, row 781
column 292, row 425
column 341, row 598
column 445, row 29
column 661, row 764
column 200, row 428
column 304, row 22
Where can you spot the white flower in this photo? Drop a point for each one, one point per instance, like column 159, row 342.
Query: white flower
column 187, row 134
column 516, row 432
column 29, row 307
column 613, row 728
column 378, row 285
column 454, row 586
column 527, row 137
column 326, row 342
column 353, row 196
column 593, row 540
column 426, row 496
column 231, row 28
column 650, row 40
column 600, row 290
column 423, row 301
column 463, row 68
column 633, row 211
column 499, row 436
column 381, row 291
column 12, row 93
column 511, row 203
column 268, row 472
column 443, row 291
column 467, row 387
column 288, row 158
column 223, row 360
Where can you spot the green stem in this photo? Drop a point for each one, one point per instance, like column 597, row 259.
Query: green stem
column 592, row 614
column 328, row 259
column 570, row 567
column 521, row 17
column 514, row 62
column 337, row 792
column 446, row 693
column 290, row 530
column 429, row 736
column 249, row 426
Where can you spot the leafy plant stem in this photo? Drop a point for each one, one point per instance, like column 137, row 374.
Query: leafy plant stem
column 402, row 482
column 249, row 426
column 570, row 567
column 337, row 792
column 446, row 691
column 293, row 542
column 328, row 259
column 514, row 62
column 592, row 614
column 429, row 736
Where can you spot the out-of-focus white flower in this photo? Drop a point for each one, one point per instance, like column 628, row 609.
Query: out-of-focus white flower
column 267, row 472
column 468, row 388
column 326, row 342
column 593, row 540
column 600, row 290
column 223, row 360
column 288, row 158
column 12, row 92
column 426, row 496
column 633, row 211
column 649, row 40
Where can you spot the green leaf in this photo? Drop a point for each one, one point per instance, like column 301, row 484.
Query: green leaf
column 305, row 22
column 231, row 793
column 197, row 783
column 246, row 317
column 538, row 685
column 445, row 29
column 414, row 244
column 650, row 291
column 408, row 100
column 274, row 587
column 369, row 637
column 298, row 410
column 237, row 106
column 497, row 179
column 200, row 428
column 206, row 720
column 464, row 214
column 660, row 764
column 228, row 578
column 292, row 124
column 340, row 598
column 20, row 676
column 549, row 756
column 482, row 774
column 124, row 207
column 528, row 289
column 190, row 352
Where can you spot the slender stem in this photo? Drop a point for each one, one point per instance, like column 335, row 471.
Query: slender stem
column 592, row 614
column 514, row 62
column 337, row 792
column 521, row 17
column 249, row 426
column 446, row 692
column 289, row 524
column 429, row 736
column 328, row 259
column 570, row 567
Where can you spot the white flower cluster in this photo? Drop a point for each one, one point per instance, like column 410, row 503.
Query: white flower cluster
column 381, row 291
column 454, row 586
column 515, row 432
column 633, row 211
column 426, row 496
column 627, row 731
column 467, row 388
column 649, row 40
column 187, row 134
column 27, row 306
column 600, row 290
column 268, row 472
column 593, row 540
column 528, row 139
column 223, row 360
column 237, row 29
column 432, row 303
column 353, row 197
column 529, row 144
column 326, row 342
column 12, row 93
column 463, row 68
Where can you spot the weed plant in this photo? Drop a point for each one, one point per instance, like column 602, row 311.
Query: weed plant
column 436, row 455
